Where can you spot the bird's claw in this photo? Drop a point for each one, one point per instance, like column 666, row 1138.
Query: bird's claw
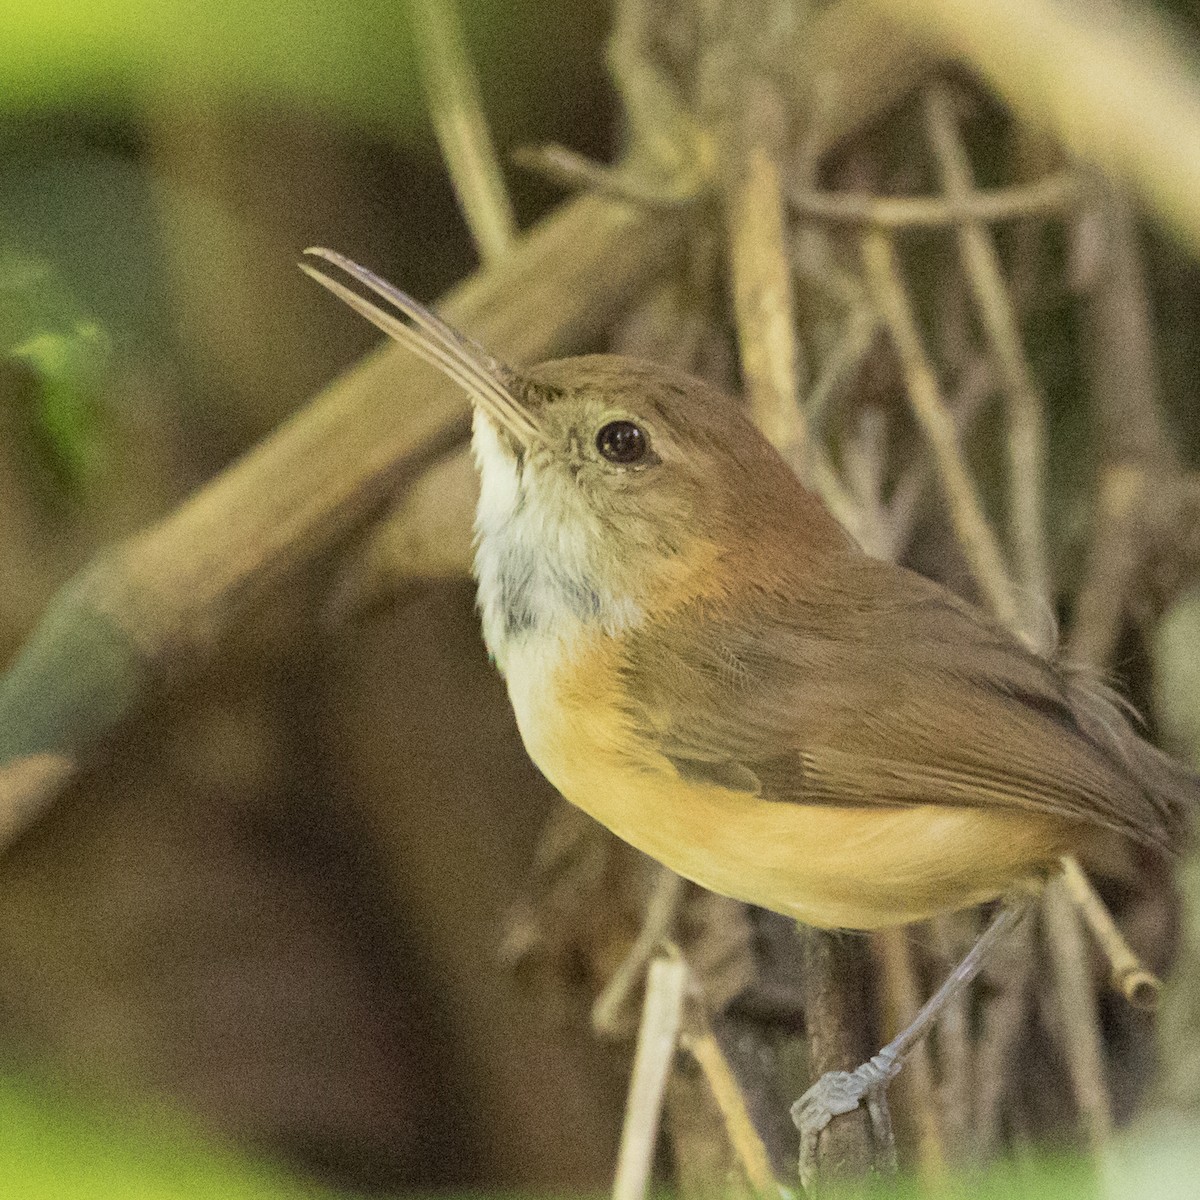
column 837, row 1093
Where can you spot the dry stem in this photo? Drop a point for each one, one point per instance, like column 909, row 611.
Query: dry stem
column 665, row 899
column 662, row 1014
column 1138, row 985
column 1077, row 1005
column 975, row 535
column 1112, row 566
column 1026, row 424
column 1045, row 197
column 452, row 92
column 1107, row 79
column 701, row 1042
column 916, row 1080
column 764, row 306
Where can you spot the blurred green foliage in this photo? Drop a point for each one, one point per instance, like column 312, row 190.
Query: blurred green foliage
column 53, row 1149
column 65, row 366
column 355, row 56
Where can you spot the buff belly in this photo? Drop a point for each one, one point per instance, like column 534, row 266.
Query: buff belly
column 846, row 868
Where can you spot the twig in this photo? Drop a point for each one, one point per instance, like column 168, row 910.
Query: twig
column 667, row 162
column 699, row 1040
column 840, row 501
column 1055, row 194
column 1026, row 424
column 1112, row 567
column 974, row 387
column 666, row 143
column 1077, row 1004
column 452, row 92
column 571, row 169
column 1138, row 985
column 1107, row 79
column 970, row 524
column 1133, row 443
column 662, row 1014
column 916, row 1080
column 956, row 1057
column 661, row 910
column 1004, row 1025
column 854, row 344
column 1119, row 328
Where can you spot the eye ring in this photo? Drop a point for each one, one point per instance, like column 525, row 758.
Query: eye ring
column 623, row 443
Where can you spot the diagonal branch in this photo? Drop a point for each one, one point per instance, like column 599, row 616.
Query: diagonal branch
column 975, row 535
column 145, row 609
column 1026, row 424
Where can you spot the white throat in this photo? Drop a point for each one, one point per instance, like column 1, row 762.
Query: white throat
column 536, row 576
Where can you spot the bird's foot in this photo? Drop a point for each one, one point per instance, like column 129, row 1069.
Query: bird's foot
column 840, row 1092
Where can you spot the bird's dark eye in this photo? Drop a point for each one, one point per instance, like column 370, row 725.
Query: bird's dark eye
column 622, row 442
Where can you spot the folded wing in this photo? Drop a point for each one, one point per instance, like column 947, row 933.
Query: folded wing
column 892, row 692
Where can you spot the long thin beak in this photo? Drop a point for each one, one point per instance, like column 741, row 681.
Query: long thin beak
column 485, row 380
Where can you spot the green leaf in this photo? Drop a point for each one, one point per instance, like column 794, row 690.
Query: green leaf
column 66, row 368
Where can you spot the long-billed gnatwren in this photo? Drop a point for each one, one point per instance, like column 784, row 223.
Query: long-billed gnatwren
column 700, row 657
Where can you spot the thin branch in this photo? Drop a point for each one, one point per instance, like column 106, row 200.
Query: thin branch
column 1077, row 1004
column 662, row 1014
column 974, row 387
column 966, row 512
column 916, row 1080
column 452, row 91
column 570, row 169
column 661, row 911
column 1004, row 1027
column 841, row 502
column 1119, row 328
column 1056, row 194
column 1113, row 562
column 843, row 360
column 667, row 144
column 956, row 1051
column 699, row 1040
column 1138, row 985
column 1026, row 423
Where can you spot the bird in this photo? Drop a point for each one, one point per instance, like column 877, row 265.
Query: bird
column 698, row 655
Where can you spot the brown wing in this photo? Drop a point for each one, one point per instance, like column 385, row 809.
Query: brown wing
column 891, row 692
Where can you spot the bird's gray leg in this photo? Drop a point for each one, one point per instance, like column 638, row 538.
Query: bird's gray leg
column 839, row 1092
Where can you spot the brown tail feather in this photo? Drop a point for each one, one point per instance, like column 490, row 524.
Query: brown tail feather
column 1173, row 789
